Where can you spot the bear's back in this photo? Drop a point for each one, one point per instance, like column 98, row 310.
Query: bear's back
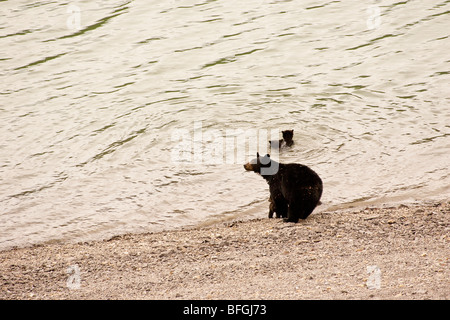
column 300, row 174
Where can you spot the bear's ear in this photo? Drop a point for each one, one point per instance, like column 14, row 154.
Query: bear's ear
column 265, row 160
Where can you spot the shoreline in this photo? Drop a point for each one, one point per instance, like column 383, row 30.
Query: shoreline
column 397, row 252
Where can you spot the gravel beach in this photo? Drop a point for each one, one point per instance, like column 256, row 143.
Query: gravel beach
column 373, row 253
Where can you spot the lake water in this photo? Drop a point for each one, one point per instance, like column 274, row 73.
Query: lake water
column 136, row 116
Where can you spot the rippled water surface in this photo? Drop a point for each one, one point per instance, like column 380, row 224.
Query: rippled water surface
column 97, row 99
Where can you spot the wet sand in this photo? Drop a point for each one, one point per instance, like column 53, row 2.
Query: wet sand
column 373, row 253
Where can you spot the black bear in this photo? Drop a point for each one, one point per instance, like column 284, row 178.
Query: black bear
column 286, row 141
column 295, row 189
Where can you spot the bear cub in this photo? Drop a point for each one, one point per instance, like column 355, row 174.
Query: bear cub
column 286, row 141
column 295, row 189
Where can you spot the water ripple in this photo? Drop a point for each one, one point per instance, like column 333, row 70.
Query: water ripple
column 91, row 116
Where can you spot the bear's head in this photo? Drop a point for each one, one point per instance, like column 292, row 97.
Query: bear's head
column 262, row 165
column 288, row 135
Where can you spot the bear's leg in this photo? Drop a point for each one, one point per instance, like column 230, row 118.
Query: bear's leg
column 299, row 210
column 292, row 214
column 271, row 208
column 282, row 208
column 279, row 206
